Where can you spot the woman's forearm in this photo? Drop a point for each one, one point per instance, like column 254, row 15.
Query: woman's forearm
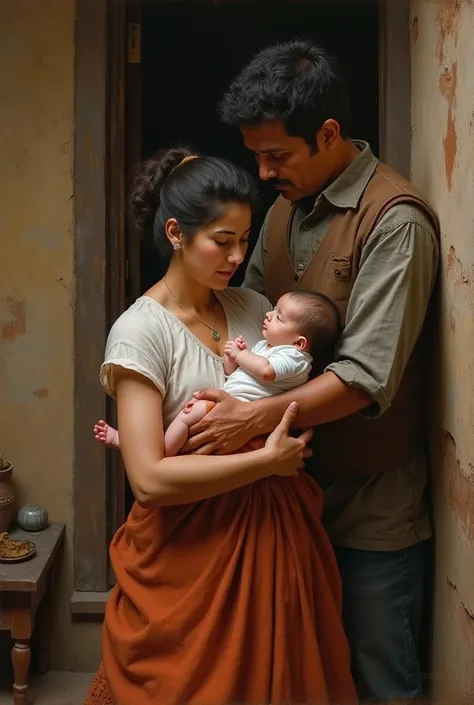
column 190, row 478
column 321, row 400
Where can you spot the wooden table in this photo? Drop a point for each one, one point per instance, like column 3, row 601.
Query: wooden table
column 22, row 589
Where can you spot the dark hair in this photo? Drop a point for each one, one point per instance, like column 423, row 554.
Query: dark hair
column 320, row 322
column 193, row 192
column 296, row 82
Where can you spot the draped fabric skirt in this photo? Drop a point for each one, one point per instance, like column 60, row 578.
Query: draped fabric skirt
column 234, row 600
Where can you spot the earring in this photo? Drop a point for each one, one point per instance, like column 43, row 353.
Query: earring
column 176, row 246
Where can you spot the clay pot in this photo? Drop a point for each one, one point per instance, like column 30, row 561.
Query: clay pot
column 7, row 498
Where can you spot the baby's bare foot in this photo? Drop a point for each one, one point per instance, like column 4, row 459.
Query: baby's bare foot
column 105, row 434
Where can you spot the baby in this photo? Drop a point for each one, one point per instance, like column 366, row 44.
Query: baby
column 303, row 324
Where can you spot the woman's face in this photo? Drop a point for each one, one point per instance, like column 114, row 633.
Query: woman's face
column 214, row 253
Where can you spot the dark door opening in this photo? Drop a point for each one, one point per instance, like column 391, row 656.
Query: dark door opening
column 190, row 51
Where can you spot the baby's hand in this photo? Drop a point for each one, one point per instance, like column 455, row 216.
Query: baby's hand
column 241, row 342
column 232, row 349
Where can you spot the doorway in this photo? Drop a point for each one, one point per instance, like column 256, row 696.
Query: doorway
column 105, row 157
column 190, row 51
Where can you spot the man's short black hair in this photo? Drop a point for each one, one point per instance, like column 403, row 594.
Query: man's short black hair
column 296, row 82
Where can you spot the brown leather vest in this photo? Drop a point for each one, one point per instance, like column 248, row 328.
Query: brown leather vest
column 354, row 445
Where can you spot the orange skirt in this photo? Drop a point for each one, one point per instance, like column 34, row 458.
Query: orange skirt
column 232, row 600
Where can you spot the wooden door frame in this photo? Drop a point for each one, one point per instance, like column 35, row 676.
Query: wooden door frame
column 99, row 241
column 395, row 85
column 91, row 279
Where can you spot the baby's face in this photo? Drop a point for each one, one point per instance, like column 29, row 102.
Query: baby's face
column 281, row 326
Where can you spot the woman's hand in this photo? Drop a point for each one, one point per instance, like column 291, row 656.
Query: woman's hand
column 289, row 452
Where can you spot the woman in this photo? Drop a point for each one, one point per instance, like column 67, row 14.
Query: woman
column 227, row 588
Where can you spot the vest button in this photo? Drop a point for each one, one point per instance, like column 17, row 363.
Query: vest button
column 337, row 272
column 306, row 227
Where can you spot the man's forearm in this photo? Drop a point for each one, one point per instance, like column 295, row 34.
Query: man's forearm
column 321, row 400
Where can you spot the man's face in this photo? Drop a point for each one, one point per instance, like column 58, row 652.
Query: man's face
column 288, row 163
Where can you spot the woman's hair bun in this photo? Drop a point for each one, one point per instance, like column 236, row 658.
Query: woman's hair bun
column 145, row 196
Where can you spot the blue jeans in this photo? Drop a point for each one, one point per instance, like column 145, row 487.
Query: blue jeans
column 383, row 598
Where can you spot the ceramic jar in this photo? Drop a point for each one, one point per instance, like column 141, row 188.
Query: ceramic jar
column 31, row 517
column 7, row 498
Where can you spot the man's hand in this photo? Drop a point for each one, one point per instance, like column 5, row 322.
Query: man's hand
column 225, row 429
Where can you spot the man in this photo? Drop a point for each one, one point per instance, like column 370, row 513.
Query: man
column 351, row 228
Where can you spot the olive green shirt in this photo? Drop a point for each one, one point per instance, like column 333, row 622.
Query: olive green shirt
column 386, row 310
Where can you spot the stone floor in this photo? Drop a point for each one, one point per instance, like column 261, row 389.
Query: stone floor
column 55, row 688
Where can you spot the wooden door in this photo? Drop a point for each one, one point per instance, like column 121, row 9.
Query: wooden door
column 123, row 260
column 133, row 138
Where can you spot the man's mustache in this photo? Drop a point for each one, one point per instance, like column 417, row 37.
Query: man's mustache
column 279, row 182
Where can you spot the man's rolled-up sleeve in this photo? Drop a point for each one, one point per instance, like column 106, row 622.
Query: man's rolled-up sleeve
column 387, row 306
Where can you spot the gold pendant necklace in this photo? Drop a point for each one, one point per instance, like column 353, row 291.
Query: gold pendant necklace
column 214, row 331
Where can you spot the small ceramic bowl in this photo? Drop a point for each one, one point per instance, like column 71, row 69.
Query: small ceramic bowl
column 32, row 517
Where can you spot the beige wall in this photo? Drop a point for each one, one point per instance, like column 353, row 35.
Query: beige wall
column 36, row 278
column 442, row 166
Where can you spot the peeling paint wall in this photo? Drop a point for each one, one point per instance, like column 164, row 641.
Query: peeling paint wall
column 442, row 166
column 36, row 280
